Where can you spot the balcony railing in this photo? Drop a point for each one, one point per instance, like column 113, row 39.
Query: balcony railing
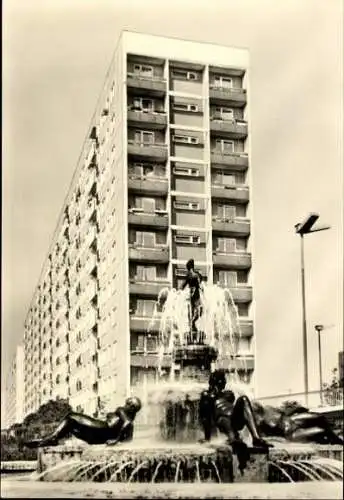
column 233, row 128
column 241, row 294
column 152, row 85
column 235, row 160
column 148, row 359
column 146, row 288
column 155, row 119
column 148, row 185
column 235, row 96
column 236, row 225
column 153, row 151
column 236, row 192
column 235, row 260
column 156, row 254
column 157, row 219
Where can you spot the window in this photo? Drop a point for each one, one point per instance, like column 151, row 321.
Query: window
column 145, row 239
column 187, row 240
column 225, row 179
column 188, row 108
column 144, row 137
column 145, row 307
column 223, row 82
column 145, row 273
column 223, row 113
column 57, row 379
column 78, row 385
column 226, row 211
column 151, row 343
column 185, row 75
column 228, row 278
column 142, row 104
column 57, row 361
column 242, row 309
column 143, row 70
column 146, row 204
column 184, row 139
column 185, row 171
column 143, row 170
column 185, row 205
column 242, row 277
column 226, row 245
column 78, row 361
column 225, row 146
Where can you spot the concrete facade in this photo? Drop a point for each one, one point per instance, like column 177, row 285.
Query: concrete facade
column 164, row 175
column 14, row 402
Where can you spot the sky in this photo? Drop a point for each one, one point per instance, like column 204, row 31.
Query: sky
column 55, row 57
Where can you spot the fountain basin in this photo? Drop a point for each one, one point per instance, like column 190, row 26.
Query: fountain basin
column 159, row 462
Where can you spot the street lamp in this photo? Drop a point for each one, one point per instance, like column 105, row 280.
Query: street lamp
column 303, row 228
column 319, row 329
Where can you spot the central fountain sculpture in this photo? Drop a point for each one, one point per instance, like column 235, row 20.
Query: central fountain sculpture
column 198, row 332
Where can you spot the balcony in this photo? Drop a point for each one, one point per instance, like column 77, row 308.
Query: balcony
column 158, row 254
column 148, row 360
column 246, row 327
column 143, row 324
column 232, row 128
column 157, row 219
column 235, row 227
column 238, row 363
column 145, row 85
column 240, row 294
column 237, row 161
column 234, row 193
column 228, row 96
column 152, row 119
column 147, row 151
column 232, row 260
column 148, row 185
column 146, row 288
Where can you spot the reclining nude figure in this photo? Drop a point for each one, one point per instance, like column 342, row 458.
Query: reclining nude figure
column 117, row 427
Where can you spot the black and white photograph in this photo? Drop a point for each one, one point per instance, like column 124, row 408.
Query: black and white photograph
column 172, row 249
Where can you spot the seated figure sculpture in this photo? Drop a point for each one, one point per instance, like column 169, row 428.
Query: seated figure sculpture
column 220, row 408
column 118, row 427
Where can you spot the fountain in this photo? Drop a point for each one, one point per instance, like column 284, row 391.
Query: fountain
column 199, row 331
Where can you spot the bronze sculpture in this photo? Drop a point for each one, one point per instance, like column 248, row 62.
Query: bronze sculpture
column 118, row 427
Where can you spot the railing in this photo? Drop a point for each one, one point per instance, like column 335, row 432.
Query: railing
column 222, row 152
column 147, row 144
column 235, row 187
column 138, row 76
column 147, row 111
column 146, row 178
column 217, row 218
column 228, row 89
column 240, row 123
column 316, row 399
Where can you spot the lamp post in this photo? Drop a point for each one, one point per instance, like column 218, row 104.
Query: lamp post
column 303, row 228
column 319, row 329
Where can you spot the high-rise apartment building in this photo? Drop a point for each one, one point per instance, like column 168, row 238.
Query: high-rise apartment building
column 14, row 388
column 163, row 177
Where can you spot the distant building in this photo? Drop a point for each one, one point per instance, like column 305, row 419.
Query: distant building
column 341, row 366
column 164, row 176
column 14, row 398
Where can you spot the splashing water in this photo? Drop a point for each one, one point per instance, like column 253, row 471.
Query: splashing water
column 218, row 325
